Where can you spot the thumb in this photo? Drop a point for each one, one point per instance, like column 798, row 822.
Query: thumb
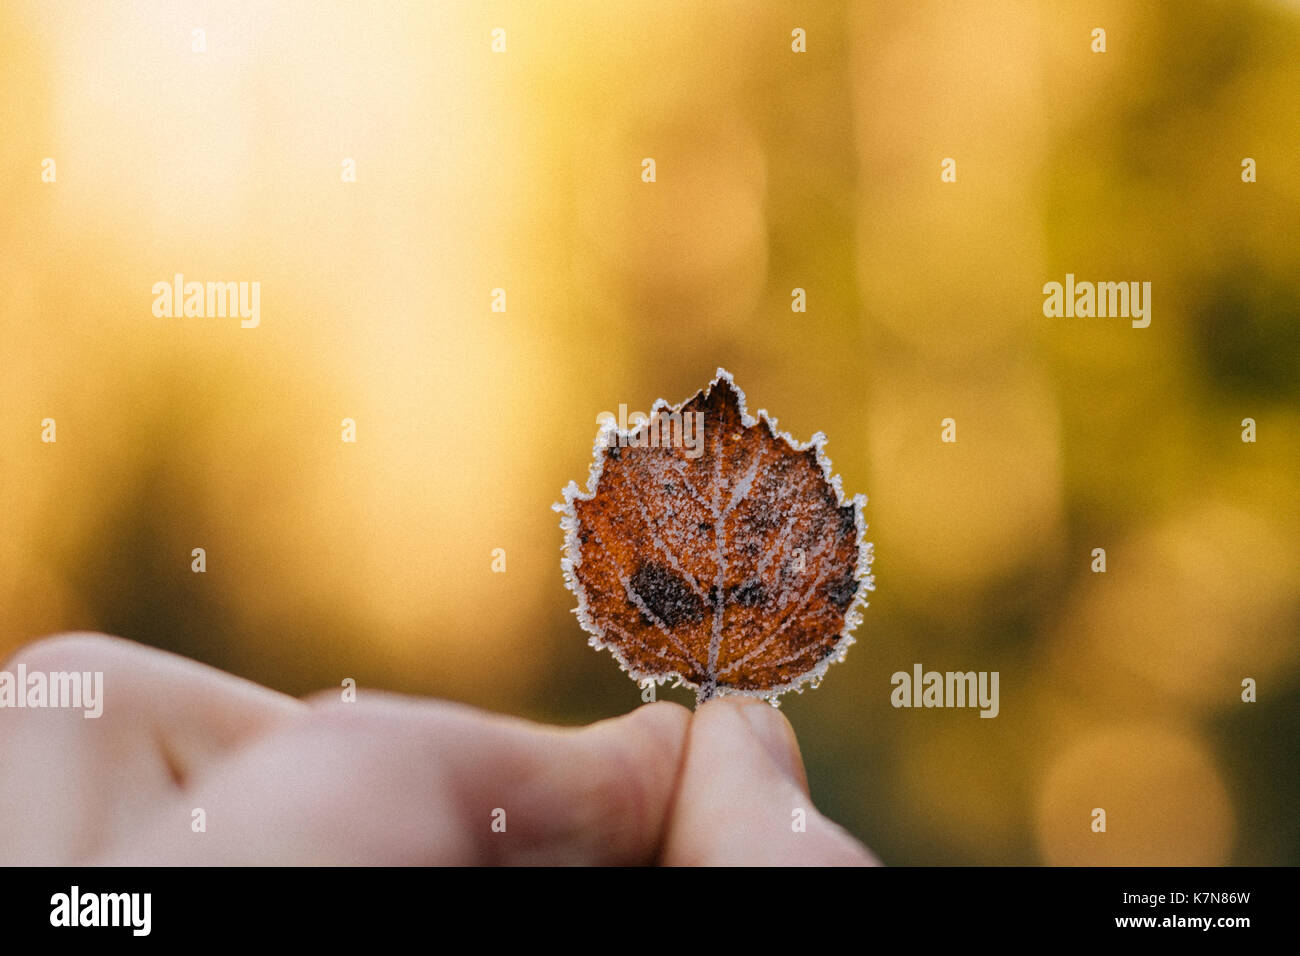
column 743, row 797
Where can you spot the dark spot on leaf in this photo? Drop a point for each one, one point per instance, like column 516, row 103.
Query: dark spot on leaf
column 667, row 595
column 761, row 521
column 848, row 520
column 842, row 591
column 749, row 594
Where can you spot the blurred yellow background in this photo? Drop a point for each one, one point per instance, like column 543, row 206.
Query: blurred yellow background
column 521, row 170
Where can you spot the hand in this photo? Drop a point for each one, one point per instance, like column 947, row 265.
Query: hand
column 385, row 780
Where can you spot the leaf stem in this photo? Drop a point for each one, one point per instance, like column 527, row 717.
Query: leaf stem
column 706, row 691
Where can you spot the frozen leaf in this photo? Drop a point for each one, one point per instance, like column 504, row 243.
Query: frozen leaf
column 712, row 548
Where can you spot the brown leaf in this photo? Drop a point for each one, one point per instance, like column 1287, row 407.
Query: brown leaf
column 733, row 563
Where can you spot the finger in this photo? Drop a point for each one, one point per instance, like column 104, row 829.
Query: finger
column 743, row 796
column 392, row 780
column 71, row 782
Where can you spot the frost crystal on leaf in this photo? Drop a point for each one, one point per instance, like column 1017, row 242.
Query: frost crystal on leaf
column 736, row 566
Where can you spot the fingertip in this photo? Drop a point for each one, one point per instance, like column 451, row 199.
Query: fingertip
column 744, row 797
column 753, row 728
column 659, row 728
column 664, row 710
